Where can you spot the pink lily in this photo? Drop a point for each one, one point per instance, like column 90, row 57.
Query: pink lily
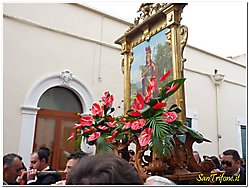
column 111, row 124
column 172, row 88
column 169, row 117
column 86, row 121
column 97, row 109
column 128, row 125
column 145, row 136
column 94, row 136
column 138, row 124
column 103, row 128
column 107, row 99
column 138, row 103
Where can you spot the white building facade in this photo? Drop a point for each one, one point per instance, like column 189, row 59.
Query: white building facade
column 53, row 46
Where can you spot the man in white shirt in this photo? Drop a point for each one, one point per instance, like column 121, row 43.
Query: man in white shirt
column 39, row 162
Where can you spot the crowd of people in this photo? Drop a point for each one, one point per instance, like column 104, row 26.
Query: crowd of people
column 229, row 164
column 84, row 169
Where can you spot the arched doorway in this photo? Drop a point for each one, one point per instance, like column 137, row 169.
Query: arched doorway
column 54, row 123
column 30, row 107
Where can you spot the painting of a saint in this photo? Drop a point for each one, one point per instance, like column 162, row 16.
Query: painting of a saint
column 150, row 70
column 152, row 58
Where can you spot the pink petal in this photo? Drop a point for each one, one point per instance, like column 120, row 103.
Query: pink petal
column 144, row 137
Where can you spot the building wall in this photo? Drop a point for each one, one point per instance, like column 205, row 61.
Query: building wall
column 39, row 43
column 44, row 39
column 201, row 94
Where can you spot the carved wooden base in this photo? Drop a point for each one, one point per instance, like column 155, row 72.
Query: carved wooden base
column 178, row 165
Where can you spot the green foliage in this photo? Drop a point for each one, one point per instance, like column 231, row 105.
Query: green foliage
column 78, row 142
column 194, row 133
column 102, row 146
column 164, row 88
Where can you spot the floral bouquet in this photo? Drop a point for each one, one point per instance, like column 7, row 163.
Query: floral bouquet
column 150, row 119
column 101, row 127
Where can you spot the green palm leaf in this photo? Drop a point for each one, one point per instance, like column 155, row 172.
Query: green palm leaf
column 102, row 146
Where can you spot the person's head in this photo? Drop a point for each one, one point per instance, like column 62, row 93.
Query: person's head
column 12, row 166
column 215, row 161
column 103, row 170
column 148, row 54
column 158, row 180
column 72, row 160
column 39, row 159
column 230, row 161
column 197, row 156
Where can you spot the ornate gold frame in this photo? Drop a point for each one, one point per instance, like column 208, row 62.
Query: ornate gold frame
column 153, row 19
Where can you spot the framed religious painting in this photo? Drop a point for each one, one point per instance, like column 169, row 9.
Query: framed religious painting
column 151, row 58
column 152, row 46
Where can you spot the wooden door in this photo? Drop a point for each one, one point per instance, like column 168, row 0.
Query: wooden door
column 52, row 130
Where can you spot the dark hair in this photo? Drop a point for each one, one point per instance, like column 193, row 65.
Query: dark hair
column 215, row 160
column 43, row 152
column 232, row 152
column 9, row 158
column 103, row 170
column 76, row 155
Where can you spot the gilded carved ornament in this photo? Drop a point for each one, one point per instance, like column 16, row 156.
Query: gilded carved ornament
column 145, row 11
column 168, row 37
column 130, row 60
column 183, row 39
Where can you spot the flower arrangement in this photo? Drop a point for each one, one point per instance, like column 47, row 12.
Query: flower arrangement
column 101, row 127
column 150, row 119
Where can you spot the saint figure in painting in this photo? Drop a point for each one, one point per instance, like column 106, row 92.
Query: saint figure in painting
column 150, row 71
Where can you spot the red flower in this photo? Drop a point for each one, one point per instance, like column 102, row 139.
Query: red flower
column 135, row 114
column 111, row 124
column 159, row 105
column 138, row 103
column 77, row 126
column 103, row 128
column 97, row 109
column 110, row 118
column 144, row 137
column 169, row 117
column 112, row 137
column 122, row 119
column 138, row 124
column 165, row 75
column 128, row 125
column 94, row 136
column 148, row 94
column 153, row 83
column 86, row 121
column 86, row 130
column 107, row 99
column 172, row 88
